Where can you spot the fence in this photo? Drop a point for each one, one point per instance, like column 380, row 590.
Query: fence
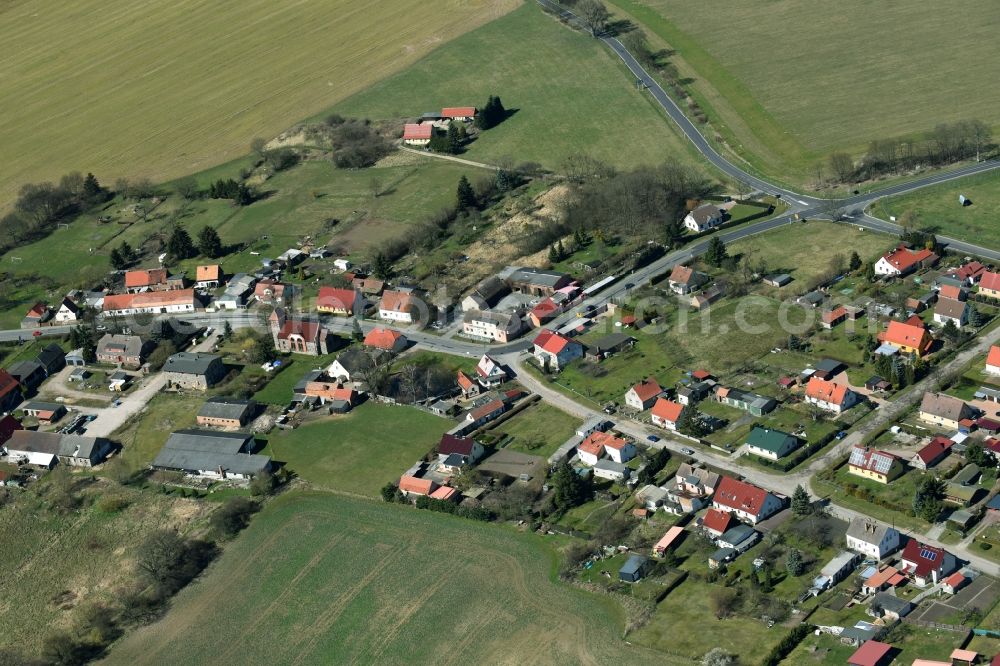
column 958, row 629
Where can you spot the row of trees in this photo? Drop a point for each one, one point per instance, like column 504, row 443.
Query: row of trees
column 946, row 143
column 227, row 188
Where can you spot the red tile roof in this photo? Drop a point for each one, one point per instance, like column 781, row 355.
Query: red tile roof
column 591, row 446
column 701, row 375
column 668, row 410
column 396, row 301
column 908, row 334
column 7, row 384
column 835, row 315
column 486, row 410
column 332, row 298
column 458, row 111
column 923, row 559
column 545, row 309
column 740, row 495
column 717, row 520
column 464, row 382
column 382, row 338
column 970, row 271
column 955, row 579
column 872, row 653
column 993, row 358
column 647, row 389
column 449, row 444
column 552, row 342
column 148, row 278
column 681, row 274
column 827, row 391
column 208, row 273
column 444, row 493
column 990, row 280
column 37, row 311
column 8, row 424
column 412, row 484
column 903, row 259
column 951, row 291
column 417, row 131
column 148, row 299
column 305, row 328
column 935, row 449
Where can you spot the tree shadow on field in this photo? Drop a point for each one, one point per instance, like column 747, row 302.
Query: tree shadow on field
column 619, row 27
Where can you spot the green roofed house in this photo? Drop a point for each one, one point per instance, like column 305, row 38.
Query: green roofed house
column 771, row 444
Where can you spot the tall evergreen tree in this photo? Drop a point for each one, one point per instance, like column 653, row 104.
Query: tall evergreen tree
column 801, row 504
column 553, row 254
column 454, row 145
column 570, row 489
column 716, row 252
column 92, row 190
column 180, row 246
column 209, row 243
column 855, row 261
column 466, row 195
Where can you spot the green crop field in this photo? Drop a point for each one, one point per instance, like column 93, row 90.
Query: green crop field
column 938, row 209
column 361, row 451
column 163, row 89
column 571, row 94
column 325, row 579
column 791, row 81
column 55, row 563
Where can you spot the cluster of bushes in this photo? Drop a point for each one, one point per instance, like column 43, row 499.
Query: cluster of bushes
column 356, row 143
column 227, row 188
column 41, row 207
column 946, row 143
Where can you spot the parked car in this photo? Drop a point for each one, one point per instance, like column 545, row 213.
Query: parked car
column 652, row 438
column 688, row 452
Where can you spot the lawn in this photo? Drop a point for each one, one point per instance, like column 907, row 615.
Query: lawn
column 770, row 97
column 805, row 250
column 685, row 626
column 538, row 430
column 212, row 79
column 570, row 93
column 144, row 436
column 938, row 209
column 56, row 563
column 361, row 451
column 330, row 579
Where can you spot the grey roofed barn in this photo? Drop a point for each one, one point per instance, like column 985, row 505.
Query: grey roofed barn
column 208, row 451
column 190, row 363
column 227, row 408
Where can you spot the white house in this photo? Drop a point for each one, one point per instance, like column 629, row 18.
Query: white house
column 903, row 261
column 953, row 310
column 703, row 218
column 745, row 500
column 609, row 469
column 993, row 361
column 554, row 351
column 666, row 413
column 397, row 306
column 68, row 311
column 867, row 537
column 643, row 395
column 489, row 373
column 153, row 302
column 598, row 443
column 491, row 325
column 830, row 396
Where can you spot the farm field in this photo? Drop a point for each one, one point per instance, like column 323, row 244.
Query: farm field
column 771, row 98
column 85, row 88
column 56, row 563
column 571, row 95
column 361, row 451
column 937, row 209
column 329, row 579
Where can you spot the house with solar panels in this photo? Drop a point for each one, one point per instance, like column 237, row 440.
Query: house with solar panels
column 874, row 465
column 926, row 565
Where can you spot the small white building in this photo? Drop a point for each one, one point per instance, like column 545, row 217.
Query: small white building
column 871, row 539
column 703, row 218
column 609, row 469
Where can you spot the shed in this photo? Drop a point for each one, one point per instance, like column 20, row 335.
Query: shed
column 872, row 653
column 634, row 569
column 667, row 540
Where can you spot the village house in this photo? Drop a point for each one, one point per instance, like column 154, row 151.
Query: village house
column 932, row 453
column 10, row 391
column 597, row 444
column 466, row 448
column 386, row 339
column 944, row 410
column 127, row 351
column 44, row 449
column 151, row 302
column 489, row 373
column 319, row 389
column 954, row 583
column 951, row 310
column 993, row 361
column 875, row 465
column 412, row 486
column 465, row 114
column 871, row 539
column 29, row 374
column 211, row 454
column 398, row 306
column 703, row 218
column 537, row 282
column 486, row 294
column 544, row 311
column 52, row 359
column 298, row 334
column 739, row 538
column 153, row 279
column 695, row 479
column 192, row 370
column 352, row 365
column 368, row 286
column 643, row 395
column 969, row 274
column 226, row 412
column 909, row 337
column 468, row 386
column 417, row 134
column 237, row 293
column 926, row 565
column 748, row 502
column 903, row 261
column 953, row 291
column 666, row 413
column 684, row 280
column 989, row 284
column 482, row 415
column 706, row 297
column 716, row 522
column 67, row 312
column 694, row 392
column 758, row 405
column 37, row 315
column 771, row 444
column 208, row 276
column 611, row 471
column 343, row 302
column 830, row 396
column 491, row 325
column 45, row 412
column 553, row 351
column 887, row 578
column 272, row 292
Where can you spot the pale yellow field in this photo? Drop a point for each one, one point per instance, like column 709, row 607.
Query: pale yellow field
column 161, row 88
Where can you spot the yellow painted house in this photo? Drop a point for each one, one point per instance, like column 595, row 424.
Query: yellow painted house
column 875, row 465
